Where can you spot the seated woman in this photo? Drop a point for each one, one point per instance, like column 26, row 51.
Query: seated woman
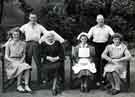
column 53, row 57
column 84, row 66
column 115, row 70
column 16, row 66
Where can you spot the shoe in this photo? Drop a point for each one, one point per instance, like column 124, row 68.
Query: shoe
column 20, row 89
column 114, row 92
column 54, row 92
column 109, row 91
column 27, row 88
column 105, row 87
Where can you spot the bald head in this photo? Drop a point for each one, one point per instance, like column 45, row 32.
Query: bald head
column 100, row 19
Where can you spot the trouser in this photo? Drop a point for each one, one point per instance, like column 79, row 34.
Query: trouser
column 99, row 48
column 33, row 49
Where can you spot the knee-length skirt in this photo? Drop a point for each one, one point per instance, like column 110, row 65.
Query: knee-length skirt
column 13, row 69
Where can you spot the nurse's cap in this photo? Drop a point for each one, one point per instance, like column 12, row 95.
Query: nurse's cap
column 82, row 34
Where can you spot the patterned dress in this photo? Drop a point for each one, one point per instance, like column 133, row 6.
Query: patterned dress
column 15, row 50
column 116, row 52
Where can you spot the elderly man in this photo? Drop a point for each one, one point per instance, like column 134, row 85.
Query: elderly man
column 33, row 31
column 100, row 34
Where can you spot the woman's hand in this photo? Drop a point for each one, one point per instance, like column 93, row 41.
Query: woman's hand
column 53, row 59
column 115, row 61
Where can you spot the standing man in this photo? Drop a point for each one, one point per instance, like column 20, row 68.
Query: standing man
column 32, row 31
column 100, row 34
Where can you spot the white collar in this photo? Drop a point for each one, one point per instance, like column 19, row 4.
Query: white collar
column 86, row 45
column 120, row 46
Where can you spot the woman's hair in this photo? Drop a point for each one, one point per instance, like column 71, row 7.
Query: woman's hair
column 16, row 29
column 117, row 35
column 83, row 36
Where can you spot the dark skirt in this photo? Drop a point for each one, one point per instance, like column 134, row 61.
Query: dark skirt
column 50, row 70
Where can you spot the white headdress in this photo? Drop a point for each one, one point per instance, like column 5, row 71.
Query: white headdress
column 83, row 33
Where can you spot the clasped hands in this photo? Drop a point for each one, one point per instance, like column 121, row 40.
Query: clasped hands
column 115, row 61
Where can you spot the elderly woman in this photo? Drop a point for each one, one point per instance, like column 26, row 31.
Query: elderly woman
column 117, row 56
column 16, row 66
column 83, row 56
column 53, row 57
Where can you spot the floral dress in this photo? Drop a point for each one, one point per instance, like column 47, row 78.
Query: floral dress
column 16, row 51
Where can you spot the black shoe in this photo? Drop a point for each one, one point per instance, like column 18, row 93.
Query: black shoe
column 114, row 92
column 54, row 92
column 105, row 87
column 109, row 91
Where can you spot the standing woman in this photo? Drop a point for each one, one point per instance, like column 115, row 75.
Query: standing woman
column 16, row 66
column 115, row 70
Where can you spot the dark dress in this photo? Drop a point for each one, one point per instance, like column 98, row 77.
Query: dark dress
column 51, row 69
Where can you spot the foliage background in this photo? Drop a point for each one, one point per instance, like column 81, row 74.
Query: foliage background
column 70, row 17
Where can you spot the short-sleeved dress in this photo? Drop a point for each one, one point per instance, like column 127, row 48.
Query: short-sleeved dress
column 116, row 53
column 15, row 51
column 84, row 65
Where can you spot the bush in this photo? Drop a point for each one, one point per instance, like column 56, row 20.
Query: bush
column 71, row 17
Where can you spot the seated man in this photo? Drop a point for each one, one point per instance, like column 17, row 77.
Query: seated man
column 115, row 70
column 84, row 66
column 53, row 57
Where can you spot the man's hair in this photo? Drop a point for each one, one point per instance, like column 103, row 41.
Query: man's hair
column 100, row 16
column 33, row 13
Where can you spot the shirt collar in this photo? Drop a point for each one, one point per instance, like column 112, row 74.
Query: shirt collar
column 99, row 26
column 120, row 46
column 31, row 24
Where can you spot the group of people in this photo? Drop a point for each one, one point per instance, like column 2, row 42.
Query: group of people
column 48, row 54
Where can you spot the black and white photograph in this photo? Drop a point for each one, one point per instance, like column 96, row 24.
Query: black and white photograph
column 67, row 48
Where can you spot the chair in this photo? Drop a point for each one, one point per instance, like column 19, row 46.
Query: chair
column 5, row 82
column 67, row 64
column 126, row 87
column 128, row 75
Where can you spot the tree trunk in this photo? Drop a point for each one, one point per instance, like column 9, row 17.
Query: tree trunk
column 1, row 10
